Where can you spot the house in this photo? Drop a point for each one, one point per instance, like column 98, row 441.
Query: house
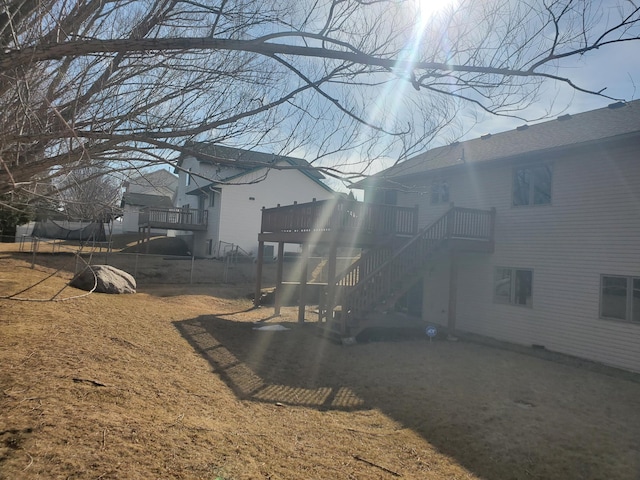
column 231, row 186
column 564, row 273
column 530, row 236
column 151, row 190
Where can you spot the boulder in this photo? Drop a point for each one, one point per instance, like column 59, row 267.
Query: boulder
column 109, row 280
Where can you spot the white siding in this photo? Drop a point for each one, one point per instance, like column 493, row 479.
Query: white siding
column 240, row 217
column 201, row 239
column 199, row 170
column 435, row 301
column 130, row 218
column 202, row 174
column 591, row 228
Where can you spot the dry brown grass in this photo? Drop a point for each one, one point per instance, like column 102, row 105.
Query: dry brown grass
column 163, row 384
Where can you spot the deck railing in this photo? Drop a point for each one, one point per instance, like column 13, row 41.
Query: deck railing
column 340, row 216
column 470, row 223
column 457, row 223
column 176, row 217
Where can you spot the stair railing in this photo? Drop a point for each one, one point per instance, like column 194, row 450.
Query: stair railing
column 378, row 284
column 349, row 277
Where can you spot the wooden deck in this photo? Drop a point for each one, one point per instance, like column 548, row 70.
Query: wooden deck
column 173, row 219
column 387, row 269
column 344, row 222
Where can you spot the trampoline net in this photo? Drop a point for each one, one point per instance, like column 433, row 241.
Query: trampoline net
column 90, row 232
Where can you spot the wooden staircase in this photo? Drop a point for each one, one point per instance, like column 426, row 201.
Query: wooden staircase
column 382, row 275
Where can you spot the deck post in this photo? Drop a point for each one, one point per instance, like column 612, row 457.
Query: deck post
column 148, row 238
column 303, row 282
column 453, row 292
column 331, row 281
column 278, row 302
column 260, row 260
column 451, row 215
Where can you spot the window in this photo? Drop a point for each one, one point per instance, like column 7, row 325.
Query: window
column 620, row 298
column 188, row 178
column 390, row 197
column 439, row 192
column 212, row 199
column 513, row 286
column 532, row 185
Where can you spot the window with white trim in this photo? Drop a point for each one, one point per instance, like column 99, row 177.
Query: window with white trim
column 513, row 286
column 188, row 178
column 532, row 185
column 620, row 297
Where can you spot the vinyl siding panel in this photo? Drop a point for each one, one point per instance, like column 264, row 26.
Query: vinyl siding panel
column 240, row 217
column 201, row 239
column 435, row 300
column 591, row 227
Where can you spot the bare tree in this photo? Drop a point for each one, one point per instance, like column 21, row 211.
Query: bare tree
column 89, row 193
column 122, row 83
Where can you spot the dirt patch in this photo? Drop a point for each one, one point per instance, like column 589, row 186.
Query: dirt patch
column 162, row 385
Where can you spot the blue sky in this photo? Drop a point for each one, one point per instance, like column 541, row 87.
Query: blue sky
column 616, row 67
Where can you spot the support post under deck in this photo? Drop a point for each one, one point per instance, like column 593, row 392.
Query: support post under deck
column 148, row 238
column 453, row 292
column 303, row 282
column 331, row 281
column 260, row 261
column 278, row 301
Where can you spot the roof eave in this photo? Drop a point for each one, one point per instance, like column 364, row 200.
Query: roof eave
column 522, row 157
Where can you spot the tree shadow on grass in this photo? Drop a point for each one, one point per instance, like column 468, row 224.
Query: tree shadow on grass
column 499, row 413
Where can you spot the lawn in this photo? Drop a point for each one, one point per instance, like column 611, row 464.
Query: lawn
column 176, row 382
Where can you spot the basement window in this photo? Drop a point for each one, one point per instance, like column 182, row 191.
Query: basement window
column 620, row 298
column 532, row 185
column 513, row 286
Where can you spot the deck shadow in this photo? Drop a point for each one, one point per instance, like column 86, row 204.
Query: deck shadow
column 499, row 413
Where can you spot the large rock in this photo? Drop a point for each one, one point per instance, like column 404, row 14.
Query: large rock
column 109, row 280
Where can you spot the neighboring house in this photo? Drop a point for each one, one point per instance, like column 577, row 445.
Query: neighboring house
column 564, row 270
column 152, row 190
column 232, row 195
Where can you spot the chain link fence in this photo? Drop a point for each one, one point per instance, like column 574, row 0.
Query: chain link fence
column 147, row 269
column 166, row 269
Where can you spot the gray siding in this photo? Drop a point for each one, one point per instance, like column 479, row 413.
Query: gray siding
column 591, row 228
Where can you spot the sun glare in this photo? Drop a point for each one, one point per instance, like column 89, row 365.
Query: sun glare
column 426, row 8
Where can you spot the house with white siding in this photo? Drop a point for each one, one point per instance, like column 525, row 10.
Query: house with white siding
column 231, row 186
column 563, row 270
